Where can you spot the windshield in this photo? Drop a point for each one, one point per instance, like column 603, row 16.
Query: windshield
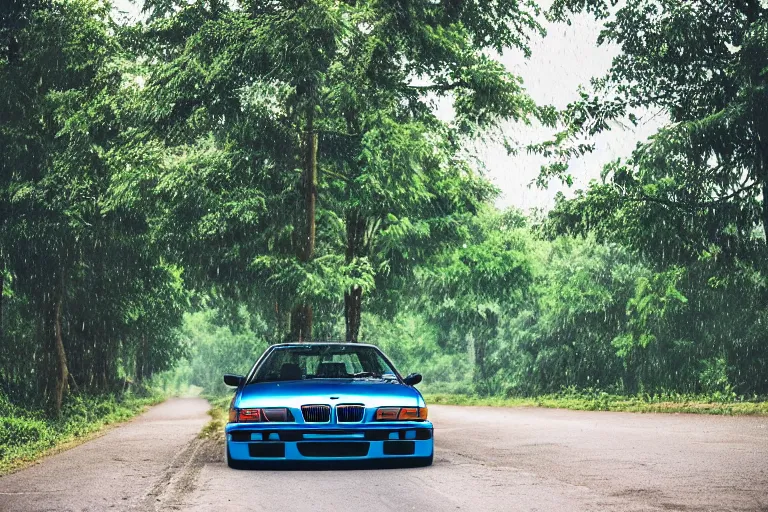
column 324, row 362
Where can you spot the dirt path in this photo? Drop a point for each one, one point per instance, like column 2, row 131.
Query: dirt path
column 487, row 459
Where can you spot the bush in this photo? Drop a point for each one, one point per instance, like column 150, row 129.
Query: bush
column 18, row 431
column 26, row 433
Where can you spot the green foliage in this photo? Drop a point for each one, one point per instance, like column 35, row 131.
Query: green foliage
column 690, row 204
column 216, row 349
column 580, row 314
column 578, row 309
column 18, row 431
column 81, row 275
column 412, row 344
column 470, row 292
column 239, row 89
column 215, row 344
column 174, row 195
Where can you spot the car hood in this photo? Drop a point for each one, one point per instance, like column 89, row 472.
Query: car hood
column 294, row 394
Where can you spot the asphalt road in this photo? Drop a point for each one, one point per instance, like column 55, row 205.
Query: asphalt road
column 486, row 459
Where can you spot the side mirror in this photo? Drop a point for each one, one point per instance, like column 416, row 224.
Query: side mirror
column 412, row 379
column 233, row 380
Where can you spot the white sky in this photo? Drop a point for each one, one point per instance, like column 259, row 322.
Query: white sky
column 562, row 61
column 566, row 58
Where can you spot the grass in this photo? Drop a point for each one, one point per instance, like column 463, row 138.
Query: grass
column 214, row 429
column 27, row 435
column 598, row 401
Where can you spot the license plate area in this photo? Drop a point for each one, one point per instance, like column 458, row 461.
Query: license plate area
column 267, row 450
column 334, row 449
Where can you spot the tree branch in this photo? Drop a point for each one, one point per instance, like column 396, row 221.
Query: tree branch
column 689, row 205
column 439, row 87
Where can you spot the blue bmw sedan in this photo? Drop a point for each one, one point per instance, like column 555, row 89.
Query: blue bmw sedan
column 326, row 402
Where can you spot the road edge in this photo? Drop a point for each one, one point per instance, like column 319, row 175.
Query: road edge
column 608, row 403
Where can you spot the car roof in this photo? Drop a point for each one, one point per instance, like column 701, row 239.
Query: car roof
column 322, row 343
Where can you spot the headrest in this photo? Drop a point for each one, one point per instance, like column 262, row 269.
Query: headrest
column 290, row 371
column 332, row 369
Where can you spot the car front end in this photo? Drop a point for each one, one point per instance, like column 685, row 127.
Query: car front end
column 328, row 420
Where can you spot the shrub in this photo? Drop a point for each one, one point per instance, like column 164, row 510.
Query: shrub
column 16, row 431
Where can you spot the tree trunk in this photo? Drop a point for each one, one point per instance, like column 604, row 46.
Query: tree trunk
column 301, row 323
column 760, row 129
column 43, row 352
column 142, row 360
column 301, row 316
column 282, row 328
column 479, row 345
column 62, row 373
column 139, row 363
column 764, row 177
column 353, row 298
column 310, row 191
column 2, row 283
column 352, row 309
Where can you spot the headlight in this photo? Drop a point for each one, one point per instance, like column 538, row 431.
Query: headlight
column 401, row 414
column 278, row 414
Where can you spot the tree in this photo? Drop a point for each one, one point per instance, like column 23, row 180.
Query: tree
column 79, row 263
column 319, row 86
column 14, row 16
column 704, row 65
column 47, row 139
column 692, row 200
column 471, row 291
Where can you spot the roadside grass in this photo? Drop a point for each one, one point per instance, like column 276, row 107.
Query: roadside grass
column 27, row 435
column 600, row 401
column 218, row 412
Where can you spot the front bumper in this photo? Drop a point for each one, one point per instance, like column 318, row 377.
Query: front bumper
column 329, row 442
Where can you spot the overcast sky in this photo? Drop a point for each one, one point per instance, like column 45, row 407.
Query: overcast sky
column 566, row 58
column 562, row 61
